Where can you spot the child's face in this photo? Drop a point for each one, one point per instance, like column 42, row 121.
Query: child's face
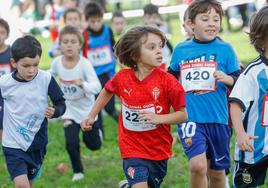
column 119, row 24
column 70, row 45
column 207, row 25
column 3, row 35
column 151, row 18
column 26, row 67
column 95, row 23
column 73, row 19
column 150, row 51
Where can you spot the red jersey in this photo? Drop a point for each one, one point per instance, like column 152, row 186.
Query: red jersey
column 156, row 93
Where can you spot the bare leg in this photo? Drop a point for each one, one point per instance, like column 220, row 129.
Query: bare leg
column 217, row 178
column 22, row 181
column 198, row 171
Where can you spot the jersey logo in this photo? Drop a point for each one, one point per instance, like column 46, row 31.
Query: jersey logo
column 131, row 172
column 246, row 177
column 156, row 93
column 127, row 91
column 219, row 159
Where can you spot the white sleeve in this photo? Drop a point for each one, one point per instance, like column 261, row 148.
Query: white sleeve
column 91, row 82
column 243, row 91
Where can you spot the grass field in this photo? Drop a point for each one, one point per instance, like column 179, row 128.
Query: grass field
column 103, row 168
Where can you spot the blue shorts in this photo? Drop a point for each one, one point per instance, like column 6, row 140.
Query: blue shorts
column 139, row 170
column 20, row 162
column 210, row 138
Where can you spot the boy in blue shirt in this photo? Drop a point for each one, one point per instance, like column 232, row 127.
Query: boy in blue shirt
column 25, row 92
column 98, row 48
column 206, row 66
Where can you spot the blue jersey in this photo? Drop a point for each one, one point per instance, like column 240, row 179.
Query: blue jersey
column 209, row 107
column 250, row 91
column 100, row 52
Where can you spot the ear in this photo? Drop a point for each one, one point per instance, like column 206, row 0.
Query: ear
column 13, row 63
column 190, row 23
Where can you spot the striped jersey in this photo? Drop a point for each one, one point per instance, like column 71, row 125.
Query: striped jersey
column 250, row 91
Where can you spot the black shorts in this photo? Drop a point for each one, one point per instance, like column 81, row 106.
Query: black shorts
column 250, row 175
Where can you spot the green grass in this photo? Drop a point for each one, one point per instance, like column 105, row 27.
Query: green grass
column 103, row 168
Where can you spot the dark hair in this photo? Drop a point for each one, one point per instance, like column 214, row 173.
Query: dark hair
column 258, row 32
column 150, row 9
column 127, row 49
column 71, row 10
column 69, row 29
column 4, row 24
column 117, row 13
column 26, row 46
column 203, row 6
column 93, row 9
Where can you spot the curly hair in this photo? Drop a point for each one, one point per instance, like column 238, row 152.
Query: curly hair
column 258, row 32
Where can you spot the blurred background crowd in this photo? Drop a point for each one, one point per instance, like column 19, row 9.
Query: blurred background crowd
column 45, row 16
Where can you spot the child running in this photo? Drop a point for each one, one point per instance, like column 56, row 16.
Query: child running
column 206, row 66
column 249, row 110
column 26, row 109
column 79, row 84
column 147, row 93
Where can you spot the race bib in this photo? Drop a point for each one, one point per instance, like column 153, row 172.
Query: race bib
column 5, row 69
column 131, row 119
column 264, row 121
column 70, row 90
column 198, row 76
column 100, row 56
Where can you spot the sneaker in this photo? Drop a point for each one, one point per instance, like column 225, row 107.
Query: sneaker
column 78, row 176
column 123, row 184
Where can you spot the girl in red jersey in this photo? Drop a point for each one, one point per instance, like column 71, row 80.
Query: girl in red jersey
column 146, row 93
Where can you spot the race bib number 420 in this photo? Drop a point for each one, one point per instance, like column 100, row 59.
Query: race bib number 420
column 265, row 111
column 198, row 76
column 131, row 119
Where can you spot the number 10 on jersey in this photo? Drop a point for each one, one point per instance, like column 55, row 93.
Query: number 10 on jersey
column 198, row 76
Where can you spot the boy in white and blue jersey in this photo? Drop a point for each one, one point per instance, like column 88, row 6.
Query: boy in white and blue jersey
column 25, row 92
column 206, row 66
column 249, row 110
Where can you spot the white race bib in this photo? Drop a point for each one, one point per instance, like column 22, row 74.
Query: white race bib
column 5, row 69
column 100, row 56
column 70, row 90
column 131, row 119
column 198, row 76
column 264, row 121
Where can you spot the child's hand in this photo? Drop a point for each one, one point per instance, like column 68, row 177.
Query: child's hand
column 87, row 124
column 50, row 110
column 244, row 142
column 222, row 77
column 150, row 117
column 79, row 82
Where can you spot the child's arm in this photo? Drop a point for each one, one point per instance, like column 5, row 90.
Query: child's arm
column 103, row 98
column 225, row 78
column 91, row 83
column 243, row 140
column 56, row 96
column 174, row 117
